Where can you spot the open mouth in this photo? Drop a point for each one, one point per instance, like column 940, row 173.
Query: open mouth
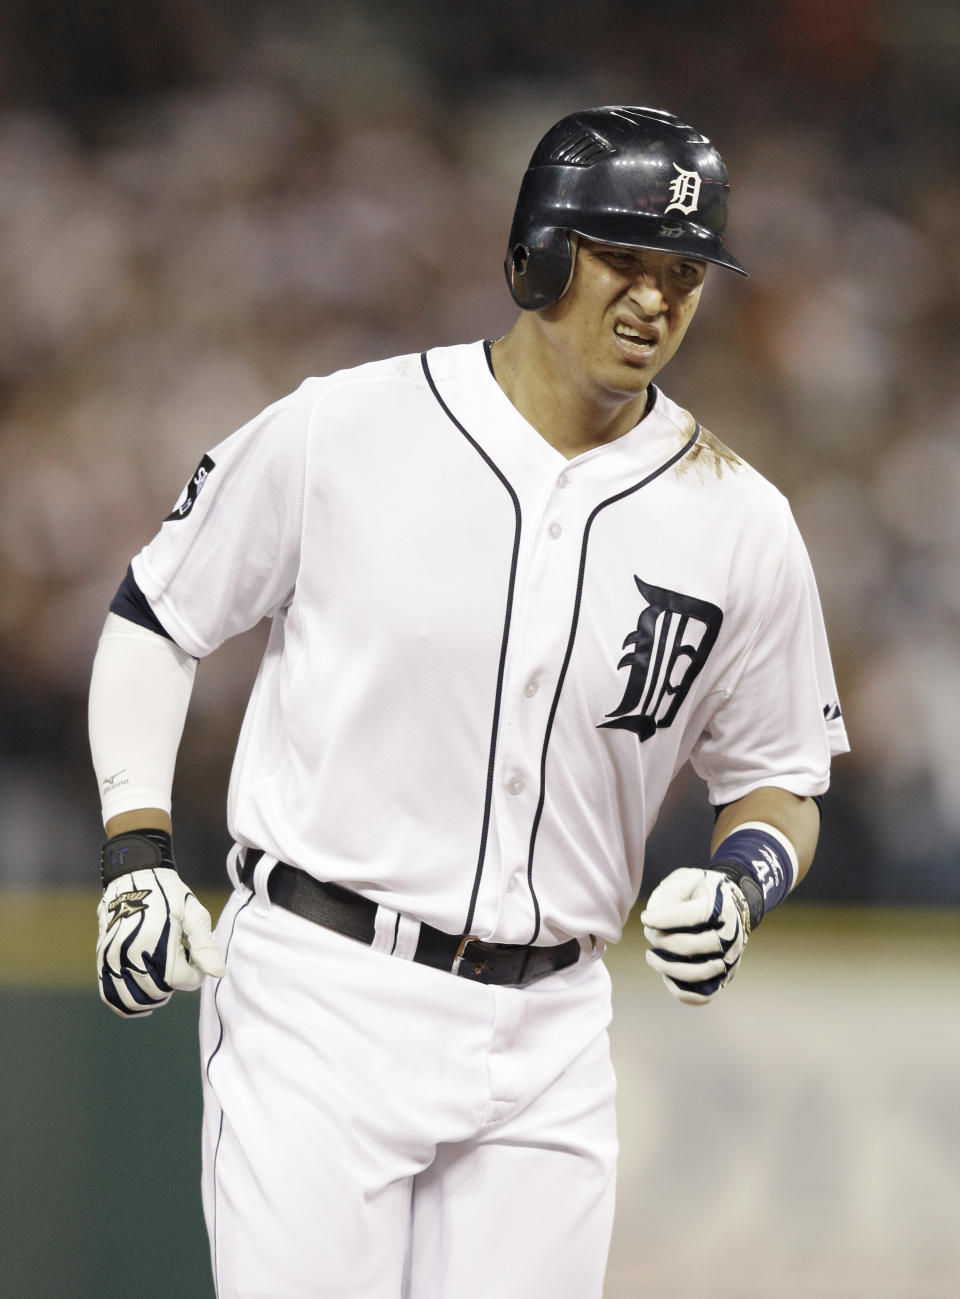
column 636, row 337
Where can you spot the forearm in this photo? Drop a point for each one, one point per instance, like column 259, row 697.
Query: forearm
column 698, row 920
column 154, row 936
column 796, row 818
column 139, row 693
column 141, row 818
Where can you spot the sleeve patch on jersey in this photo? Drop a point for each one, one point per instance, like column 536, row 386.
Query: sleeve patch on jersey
column 192, row 490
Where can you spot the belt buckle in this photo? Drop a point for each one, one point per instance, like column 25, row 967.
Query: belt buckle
column 458, row 958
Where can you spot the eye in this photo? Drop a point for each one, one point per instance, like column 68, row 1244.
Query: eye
column 689, row 273
column 621, row 258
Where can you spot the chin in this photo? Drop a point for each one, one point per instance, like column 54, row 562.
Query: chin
column 632, row 381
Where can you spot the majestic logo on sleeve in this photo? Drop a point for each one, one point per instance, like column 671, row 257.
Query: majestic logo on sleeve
column 675, row 633
column 684, row 191
column 192, row 491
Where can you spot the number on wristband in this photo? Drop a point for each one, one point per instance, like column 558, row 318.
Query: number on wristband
column 767, row 854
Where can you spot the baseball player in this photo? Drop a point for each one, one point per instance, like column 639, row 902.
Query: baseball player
column 513, row 588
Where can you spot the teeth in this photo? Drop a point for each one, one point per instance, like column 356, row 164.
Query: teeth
column 625, row 331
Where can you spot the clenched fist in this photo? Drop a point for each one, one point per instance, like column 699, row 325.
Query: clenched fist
column 154, row 935
column 697, row 924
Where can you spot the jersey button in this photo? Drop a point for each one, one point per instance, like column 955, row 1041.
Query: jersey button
column 512, row 883
column 555, row 529
column 531, row 688
column 563, row 481
column 515, row 786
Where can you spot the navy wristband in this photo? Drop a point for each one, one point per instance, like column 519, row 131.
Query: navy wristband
column 758, row 854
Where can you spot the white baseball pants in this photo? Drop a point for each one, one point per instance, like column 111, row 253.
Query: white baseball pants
column 382, row 1130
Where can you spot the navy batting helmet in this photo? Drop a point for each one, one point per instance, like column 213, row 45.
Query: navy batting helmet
column 637, row 177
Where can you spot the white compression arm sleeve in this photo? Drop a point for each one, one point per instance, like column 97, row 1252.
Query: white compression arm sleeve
column 139, row 693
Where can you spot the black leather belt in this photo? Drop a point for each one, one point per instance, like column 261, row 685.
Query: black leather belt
column 355, row 916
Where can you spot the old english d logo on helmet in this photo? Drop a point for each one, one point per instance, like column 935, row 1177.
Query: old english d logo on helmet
column 684, row 191
column 637, row 177
column 665, row 654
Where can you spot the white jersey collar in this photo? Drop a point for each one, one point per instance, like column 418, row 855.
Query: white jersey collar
column 468, row 389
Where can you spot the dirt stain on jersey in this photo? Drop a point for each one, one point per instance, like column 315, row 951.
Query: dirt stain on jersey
column 709, row 453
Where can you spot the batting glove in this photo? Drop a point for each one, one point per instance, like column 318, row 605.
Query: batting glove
column 155, row 936
column 697, row 923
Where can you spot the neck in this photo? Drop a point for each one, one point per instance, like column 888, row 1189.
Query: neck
column 571, row 415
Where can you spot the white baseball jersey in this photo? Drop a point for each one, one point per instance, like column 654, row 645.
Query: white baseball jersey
column 487, row 662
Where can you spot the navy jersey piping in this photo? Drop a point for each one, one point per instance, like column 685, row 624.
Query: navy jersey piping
column 505, row 637
column 629, row 491
column 488, row 353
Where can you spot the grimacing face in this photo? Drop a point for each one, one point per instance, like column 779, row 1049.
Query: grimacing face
column 623, row 316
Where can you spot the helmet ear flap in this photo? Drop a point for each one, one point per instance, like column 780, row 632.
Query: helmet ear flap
column 539, row 268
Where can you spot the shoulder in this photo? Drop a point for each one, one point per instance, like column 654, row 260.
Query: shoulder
column 325, row 401
column 409, row 377
column 371, row 375
column 719, row 469
column 748, row 519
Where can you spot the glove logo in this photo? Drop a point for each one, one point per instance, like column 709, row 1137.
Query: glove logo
column 674, row 636
column 192, row 491
column 684, row 191
column 127, row 904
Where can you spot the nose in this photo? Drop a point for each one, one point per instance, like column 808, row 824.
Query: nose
column 646, row 292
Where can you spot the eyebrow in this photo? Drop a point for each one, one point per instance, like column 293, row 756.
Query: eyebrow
column 637, row 252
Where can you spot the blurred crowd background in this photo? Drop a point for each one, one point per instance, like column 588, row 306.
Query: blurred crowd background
column 204, row 201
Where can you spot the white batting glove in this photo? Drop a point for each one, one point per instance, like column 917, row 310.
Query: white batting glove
column 154, row 937
column 697, row 923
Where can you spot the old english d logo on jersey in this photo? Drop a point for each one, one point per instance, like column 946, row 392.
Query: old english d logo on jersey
column 675, row 634
column 193, row 490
